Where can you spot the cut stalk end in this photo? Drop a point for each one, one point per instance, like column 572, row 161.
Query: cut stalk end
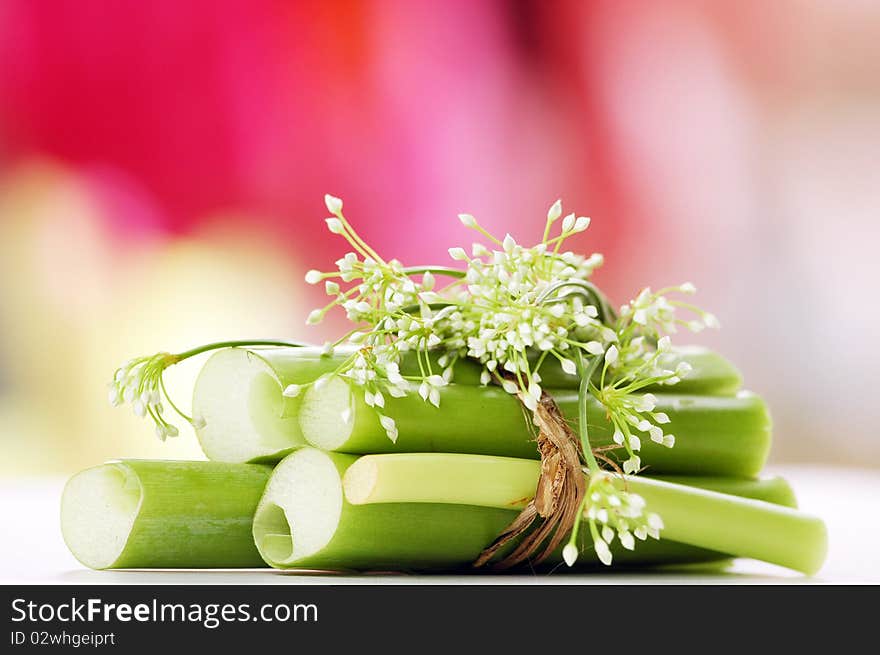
column 323, row 418
column 98, row 510
column 359, row 482
column 300, row 509
column 239, row 396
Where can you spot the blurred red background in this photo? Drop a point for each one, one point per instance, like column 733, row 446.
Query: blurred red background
column 164, row 164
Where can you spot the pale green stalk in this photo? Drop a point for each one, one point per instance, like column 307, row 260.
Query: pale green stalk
column 714, row 435
column 244, row 416
column 306, row 521
column 701, row 517
column 163, row 514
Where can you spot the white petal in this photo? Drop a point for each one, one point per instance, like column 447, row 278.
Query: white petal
column 570, row 554
column 607, row 534
column 594, row 348
column 335, row 225
column 458, row 254
column 467, row 220
column 655, row 522
column 603, row 552
column 508, row 244
column 509, row 386
column 611, row 355
column 334, row 204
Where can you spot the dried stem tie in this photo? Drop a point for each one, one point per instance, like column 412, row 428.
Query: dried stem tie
column 558, row 496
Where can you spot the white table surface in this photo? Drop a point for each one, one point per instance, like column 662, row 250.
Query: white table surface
column 32, row 551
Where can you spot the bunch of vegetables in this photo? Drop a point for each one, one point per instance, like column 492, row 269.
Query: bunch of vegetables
column 501, row 415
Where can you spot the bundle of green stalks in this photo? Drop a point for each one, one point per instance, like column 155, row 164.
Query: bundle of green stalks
column 334, row 502
column 320, row 458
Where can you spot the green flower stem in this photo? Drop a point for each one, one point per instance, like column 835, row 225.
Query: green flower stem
column 727, row 436
column 305, row 521
column 435, row 270
column 583, row 420
column 218, row 345
column 747, row 520
column 163, row 514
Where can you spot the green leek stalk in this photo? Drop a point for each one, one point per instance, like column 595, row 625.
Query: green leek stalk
column 163, row 514
column 305, row 519
column 238, row 393
column 715, row 435
column 703, row 517
column 238, row 396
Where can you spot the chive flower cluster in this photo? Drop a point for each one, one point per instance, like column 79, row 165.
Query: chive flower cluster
column 139, row 383
column 510, row 309
column 612, row 513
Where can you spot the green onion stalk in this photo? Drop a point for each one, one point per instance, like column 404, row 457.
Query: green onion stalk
column 163, row 514
column 243, row 413
column 713, row 435
column 429, row 511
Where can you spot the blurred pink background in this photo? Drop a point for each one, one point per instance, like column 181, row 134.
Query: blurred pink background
column 164, row 163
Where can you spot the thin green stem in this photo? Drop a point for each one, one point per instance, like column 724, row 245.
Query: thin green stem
column 434, row 270
column 244, row 343
column 356, row 240
column 586, row 373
